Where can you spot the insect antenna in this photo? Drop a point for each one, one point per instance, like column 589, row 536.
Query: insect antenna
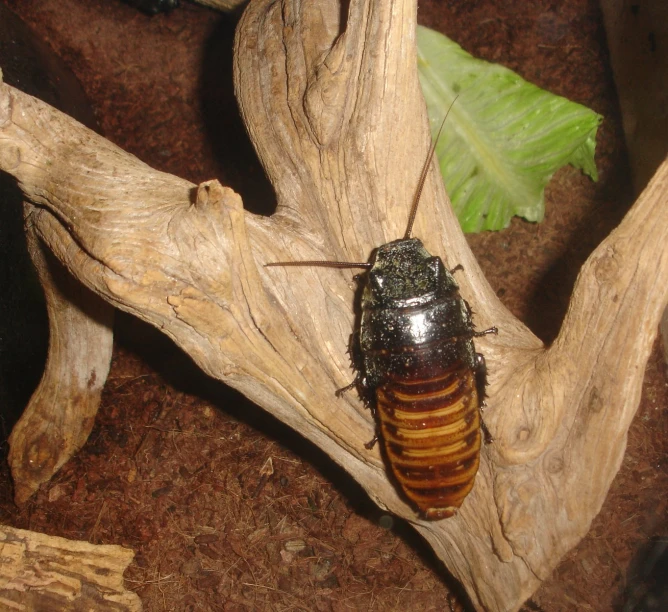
column 411, row 218
column 423, row 176
column 321, row 264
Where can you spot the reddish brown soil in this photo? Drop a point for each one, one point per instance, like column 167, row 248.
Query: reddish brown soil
column 172, row 467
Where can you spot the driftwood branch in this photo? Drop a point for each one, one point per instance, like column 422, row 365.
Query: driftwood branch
column 332, row 103
column 42, row 572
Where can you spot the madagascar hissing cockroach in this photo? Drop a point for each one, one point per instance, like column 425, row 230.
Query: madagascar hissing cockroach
column 418, row 370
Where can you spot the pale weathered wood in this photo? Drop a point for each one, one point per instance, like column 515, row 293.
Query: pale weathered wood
column 80, row 343
column 337, row 117
column 639, row 60
column 42, row 572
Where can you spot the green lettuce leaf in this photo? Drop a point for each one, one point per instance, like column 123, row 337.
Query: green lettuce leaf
column 503, row 139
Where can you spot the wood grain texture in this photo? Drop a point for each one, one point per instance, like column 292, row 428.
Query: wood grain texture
column 42, row 572
column 332, row 103
column 80, row 344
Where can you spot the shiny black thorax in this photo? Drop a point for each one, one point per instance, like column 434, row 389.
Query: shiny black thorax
column 414, row 323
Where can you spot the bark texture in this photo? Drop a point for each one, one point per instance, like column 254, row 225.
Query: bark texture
column 332, row 102
column 42, row 572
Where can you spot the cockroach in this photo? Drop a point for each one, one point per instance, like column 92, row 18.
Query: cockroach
column 417, row 368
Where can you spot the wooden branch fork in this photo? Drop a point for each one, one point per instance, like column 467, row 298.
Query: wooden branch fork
column 332, row 103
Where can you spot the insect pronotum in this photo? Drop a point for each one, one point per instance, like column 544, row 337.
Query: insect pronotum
column 418, row 370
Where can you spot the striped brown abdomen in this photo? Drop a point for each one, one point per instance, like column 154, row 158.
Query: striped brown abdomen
column 431, row 433
column 420, row 372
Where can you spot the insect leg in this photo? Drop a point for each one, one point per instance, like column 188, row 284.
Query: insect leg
column 487, row 436
column 355, row 361
column 481, row 385
column 481, row 376
column 354, row 350
column 485, row 332
column 364, row 391
column 371, row 443
column 342, row 390
column 477, row 334
column 360, row 382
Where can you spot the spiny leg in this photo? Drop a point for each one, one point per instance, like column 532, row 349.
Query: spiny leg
column 487, row 436
column 371, row 443
column 342, row 390
column 481, row 386
column 491, row 330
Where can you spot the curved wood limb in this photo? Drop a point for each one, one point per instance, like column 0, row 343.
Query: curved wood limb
column 61, row 412
column 326, row 97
